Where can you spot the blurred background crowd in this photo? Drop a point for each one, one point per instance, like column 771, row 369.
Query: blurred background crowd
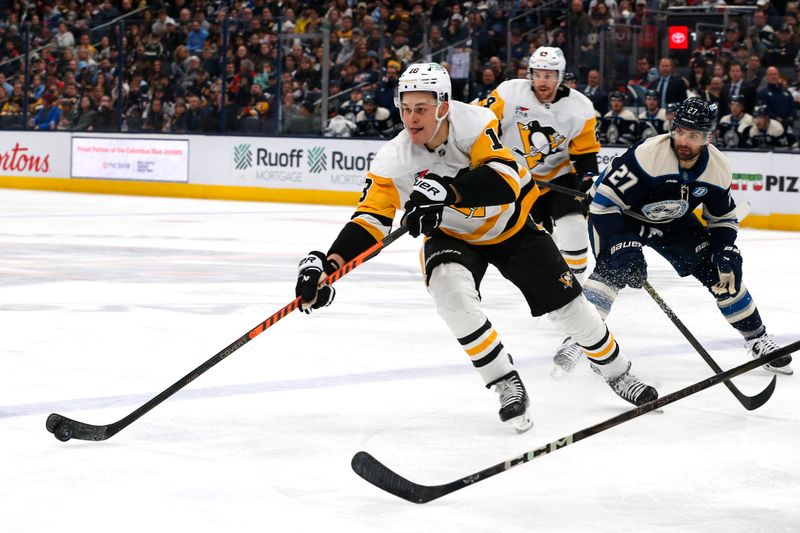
column 330, row 67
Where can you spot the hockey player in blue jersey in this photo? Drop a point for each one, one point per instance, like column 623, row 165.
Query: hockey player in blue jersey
column 646, row 197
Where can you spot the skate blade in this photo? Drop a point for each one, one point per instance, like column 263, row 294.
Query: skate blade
column 786, row 370
column 521, row 423
column 559, row 373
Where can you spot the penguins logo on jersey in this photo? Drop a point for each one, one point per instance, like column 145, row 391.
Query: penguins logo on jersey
column 567, row 279
column 538, row 142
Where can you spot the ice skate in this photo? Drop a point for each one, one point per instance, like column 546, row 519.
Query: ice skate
column 629, row 388
column 513, row 401
column 565, row 359
column 765, row 344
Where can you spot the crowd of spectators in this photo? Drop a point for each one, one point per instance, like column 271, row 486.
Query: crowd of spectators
column 173, row 78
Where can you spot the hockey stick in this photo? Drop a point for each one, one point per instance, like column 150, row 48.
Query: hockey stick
column 748, row 402
column 65, row 428
column 375, row 472
column 742, row 210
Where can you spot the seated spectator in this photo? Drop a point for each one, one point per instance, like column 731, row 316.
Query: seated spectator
column 714, row 93
column 730, row 126
column 196, row 39
column 105, row 119
column 699, row 79
column 778, row 101
column 49, row 115
column 155, row 118
column 85, row 117
column 595, row 92
column 195, row 114
column 179, row 117
column 707, row 53
column 488, row 83
column 765, row 132
column 783, row 51
column 306, row 122
column 374, row 121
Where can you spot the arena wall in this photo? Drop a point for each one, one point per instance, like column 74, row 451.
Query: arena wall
column 287, row 169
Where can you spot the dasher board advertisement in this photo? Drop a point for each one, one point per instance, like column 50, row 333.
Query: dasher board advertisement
column 130, row 159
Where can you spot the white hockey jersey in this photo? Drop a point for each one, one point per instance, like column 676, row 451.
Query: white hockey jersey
column 472, row 141
column 544, row 137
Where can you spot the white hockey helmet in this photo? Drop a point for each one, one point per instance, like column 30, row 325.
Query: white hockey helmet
column 548, row 58
column 425, row 77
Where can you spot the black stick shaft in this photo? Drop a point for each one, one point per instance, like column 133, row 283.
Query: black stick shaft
column 375, row 472
column 748, row 402
column 83, row 431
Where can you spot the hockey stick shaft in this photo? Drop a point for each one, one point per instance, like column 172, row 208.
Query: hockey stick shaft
column 375, row 472
column 65, row 428
column 748, row 402
column 742, row 209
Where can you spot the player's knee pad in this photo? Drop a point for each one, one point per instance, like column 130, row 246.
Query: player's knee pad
column 572, row 238
column 457, row 300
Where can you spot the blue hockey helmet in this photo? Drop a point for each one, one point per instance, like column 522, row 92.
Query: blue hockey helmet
column 696, row 114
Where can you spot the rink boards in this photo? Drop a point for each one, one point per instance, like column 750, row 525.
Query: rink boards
column 288, row 169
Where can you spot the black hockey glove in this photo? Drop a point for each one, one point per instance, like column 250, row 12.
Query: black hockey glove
column 627, row 260
column 587, row 181
column 728, row 261
column 425, row 205
column 309, row 274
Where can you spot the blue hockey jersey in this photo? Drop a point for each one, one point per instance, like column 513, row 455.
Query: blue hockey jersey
column 645, row 188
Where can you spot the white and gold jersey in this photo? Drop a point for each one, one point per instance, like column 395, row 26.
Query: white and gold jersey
column 544, row 137
column 472, row 142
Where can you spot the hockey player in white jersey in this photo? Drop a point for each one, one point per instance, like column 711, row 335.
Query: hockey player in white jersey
column 461, row 187
column 551, row 130
column 647, row 197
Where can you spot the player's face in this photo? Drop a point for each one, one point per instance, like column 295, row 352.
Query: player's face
column 616, row 105
column 688, row 143
column 418, row 111
column 652, row 104
column 545, row 83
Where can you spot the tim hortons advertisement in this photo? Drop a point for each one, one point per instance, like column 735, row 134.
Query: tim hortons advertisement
column 130, row 159
column 34, row 154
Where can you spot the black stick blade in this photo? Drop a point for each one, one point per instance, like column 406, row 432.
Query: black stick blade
column 64, row 429
column 375, row 472
column 754, row 402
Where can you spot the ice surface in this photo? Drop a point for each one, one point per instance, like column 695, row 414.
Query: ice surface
column 107, row 300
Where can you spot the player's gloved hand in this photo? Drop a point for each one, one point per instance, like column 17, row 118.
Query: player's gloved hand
column 426, row 204
column 628, row 261
column 587, row 181
column 309, row 275
column 728, row 261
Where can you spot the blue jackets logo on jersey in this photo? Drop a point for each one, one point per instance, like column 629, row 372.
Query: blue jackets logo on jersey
column 665, row 210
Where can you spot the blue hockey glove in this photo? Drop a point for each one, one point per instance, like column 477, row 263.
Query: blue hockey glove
column 309, row 274
column 728, row 261
column 426, row 203
column 627, row 260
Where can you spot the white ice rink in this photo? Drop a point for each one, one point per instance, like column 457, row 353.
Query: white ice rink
column 106, row 301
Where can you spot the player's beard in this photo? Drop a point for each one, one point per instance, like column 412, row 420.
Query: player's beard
column 544, row 95
column 687, row 153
